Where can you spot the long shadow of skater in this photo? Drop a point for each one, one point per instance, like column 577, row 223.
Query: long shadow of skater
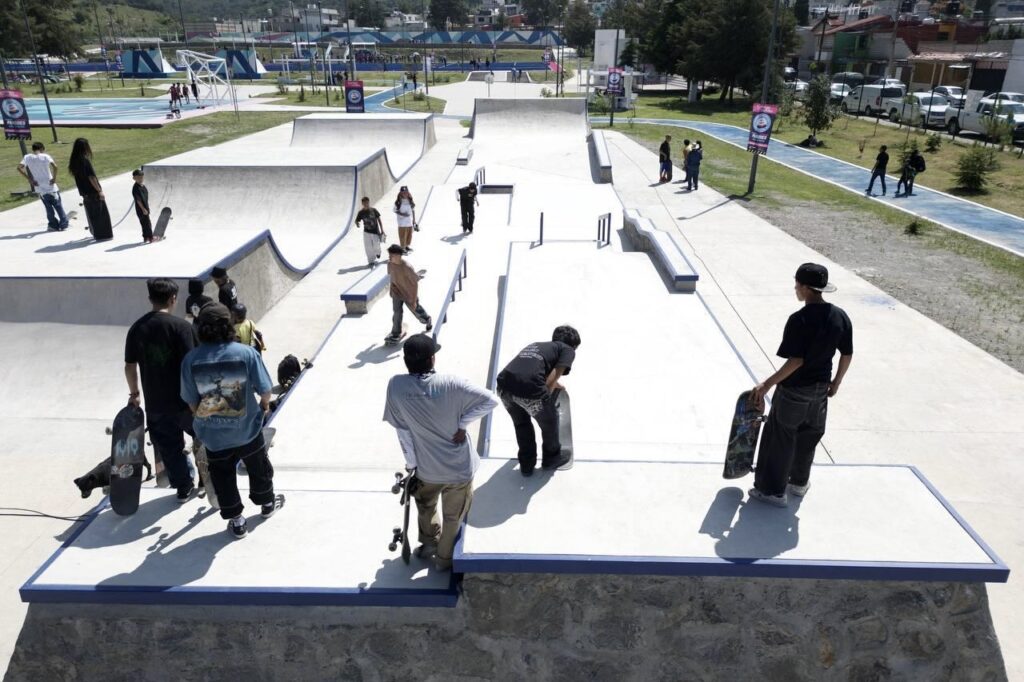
column 394, row 574
column 110, row 530
column 182, row 565
column 759, row 531
column 68, row 246
column 375, row 355
column 23, row 235
column 125, row 247
column 455, row 238
column 505, row 495
column 354, row 268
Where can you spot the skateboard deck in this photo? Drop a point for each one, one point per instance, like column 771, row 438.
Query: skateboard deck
column 161, row 223
column 746, row 427
column 72, row 215
column 392, row 341
column 127, row 459
column 203, row 464
column 405, row 486
column 160, row 471
column 564, row 408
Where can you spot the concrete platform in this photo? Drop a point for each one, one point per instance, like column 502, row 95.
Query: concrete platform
column 168, row 553
column 857, row 522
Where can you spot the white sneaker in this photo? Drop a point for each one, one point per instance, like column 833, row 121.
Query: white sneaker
column 798, row 490
column 774, row 500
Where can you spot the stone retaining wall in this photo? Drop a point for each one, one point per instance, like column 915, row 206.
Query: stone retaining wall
column 541, row 627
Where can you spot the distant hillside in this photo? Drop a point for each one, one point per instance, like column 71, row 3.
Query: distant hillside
column 205, row 10
column 125, row 19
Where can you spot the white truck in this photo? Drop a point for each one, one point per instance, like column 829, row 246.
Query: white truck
column 979, row 119
column 914, row 108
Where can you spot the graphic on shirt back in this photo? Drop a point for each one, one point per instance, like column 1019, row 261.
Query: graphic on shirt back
column 222, row 389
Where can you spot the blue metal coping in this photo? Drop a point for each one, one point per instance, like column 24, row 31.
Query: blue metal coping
column 172, row 595
column 996, row 572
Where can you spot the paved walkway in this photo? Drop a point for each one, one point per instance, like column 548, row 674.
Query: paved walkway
column 974, row 220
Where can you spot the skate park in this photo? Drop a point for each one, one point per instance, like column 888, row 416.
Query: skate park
column 653, row 387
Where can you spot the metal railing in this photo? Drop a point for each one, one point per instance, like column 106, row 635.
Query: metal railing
column 480, row 178
column 460, row 274
column 604, row 229
column 541, row 228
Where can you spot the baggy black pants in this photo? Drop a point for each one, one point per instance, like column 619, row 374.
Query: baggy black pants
column 223, row 465
column 522, row 411
column 98, row 216
column 147, row 227
column 795, row 424
column 468, row 216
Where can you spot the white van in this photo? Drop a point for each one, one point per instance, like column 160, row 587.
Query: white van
column 870, row 99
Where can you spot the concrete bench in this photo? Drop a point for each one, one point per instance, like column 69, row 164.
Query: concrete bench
column 360, row 296
column 602, row 158
column 663, row 247
column 465, row 154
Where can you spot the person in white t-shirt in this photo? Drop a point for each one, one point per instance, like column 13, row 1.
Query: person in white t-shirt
column 405, row 211
column 41, row 172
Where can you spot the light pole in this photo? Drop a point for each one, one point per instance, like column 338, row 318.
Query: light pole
column 39, row 73
column 181, row 16
column 768, row 61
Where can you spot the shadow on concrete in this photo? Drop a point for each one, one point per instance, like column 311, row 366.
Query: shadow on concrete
column 126, row 247
column 728, row 200
column 354, row 268
column 68, row 246
column 23, row 235
column 455, row 238
column 393, row 573
column 375, row 355
column 110, row 530
column 505, row 495
column 180, row 566
column 758, row 531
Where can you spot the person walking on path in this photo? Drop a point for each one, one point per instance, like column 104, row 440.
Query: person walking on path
column 196, row 299
column 220, row 381
column 693, row 160
column 41, row 172
column 405, row 210
column 686, row 155
column 373, row 231
column 184, row 93
column 140, row 195
column 156, row 345
column 665, row 160
column 914, row 164
column 527, row 388
column 431, row 413
column 804, row 383
column 404, row 292
column 227, row 293
column 80, row 166
column 195, row 90
column 468, row 203
column 878, row 171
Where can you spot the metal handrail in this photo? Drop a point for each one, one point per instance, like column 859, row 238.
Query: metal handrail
column 604, row 229
column 480, row 176
column 461, row 273
column 542, row 227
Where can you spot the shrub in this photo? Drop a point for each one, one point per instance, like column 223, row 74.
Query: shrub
column 79, row 81
column 302, row 93
column 282, row 89
column 905, row 151
column 913, row 228
column 599, row 105
column 546, row 92
column 419, row 96
column 973, row 167
column 933, row 143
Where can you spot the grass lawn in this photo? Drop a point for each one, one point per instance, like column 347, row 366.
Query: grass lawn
column 120, row 150
column 843, row 142
column 91, row 90
column 427, row 105
column 727, row 168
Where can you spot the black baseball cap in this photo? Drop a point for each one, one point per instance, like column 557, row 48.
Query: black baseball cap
column 815, row 277
column 395, row 248
column 218, row 272
column 420, row 347
column 213, row 312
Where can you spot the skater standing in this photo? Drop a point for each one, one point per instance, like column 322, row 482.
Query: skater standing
column 227, row 293
column 41, row 172
column 878, row 170
column 431, row 413
column 665, row 160
column 156, row 345
column 404, row 292
column 184, row 93
column 373, row 232
column 405, row 209
column 468, row 203
column 195, row 90
column 80, row 166
column 693, row 160
column 220, row 381
column 796, row 422
column 140, row 196
column 686, row 155
column 526, row 387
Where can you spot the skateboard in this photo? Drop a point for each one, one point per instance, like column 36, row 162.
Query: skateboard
column 160, row 471
column 405, row 486
column 206, row 485
column 390, row 340
column 564, row 408
column 127, row 458
column 161, row 223
column 72, row 215
column 746, row 427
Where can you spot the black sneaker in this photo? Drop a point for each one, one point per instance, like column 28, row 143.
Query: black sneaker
column 185, row 493
column 408, row 249
column 238, row 530
column 267, row 510
column 430, row 324
column 563, row 459
column 526, row 471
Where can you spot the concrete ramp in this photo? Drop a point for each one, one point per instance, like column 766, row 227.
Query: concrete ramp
column 405, row 137
column 547, row 117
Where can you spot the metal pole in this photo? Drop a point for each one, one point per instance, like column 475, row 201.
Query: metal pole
column 245, row 46
column 99, row 34
column 615, row 58
column 35, row 60
column 181, row 16
column 542, row 227
column 3, row 79
column 113, row 37
column 768, row 60
column 348, row 37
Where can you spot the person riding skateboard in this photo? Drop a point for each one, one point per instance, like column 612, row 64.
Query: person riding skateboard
column 430, row 413
column 526, row 387
column 468, row 203
column 404, row 292
column 156, row 345
column 804, row 383
column 227, row 293
column 220, row 382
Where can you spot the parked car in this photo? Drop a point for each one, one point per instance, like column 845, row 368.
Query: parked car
column 839, row 91
column 978, row 119
column 889, row 83
column 917, row 106
column 955, row 95
column 851, row 78
column 1003, row 96
column 789, row 74
column 869, row 99
column 798, row 88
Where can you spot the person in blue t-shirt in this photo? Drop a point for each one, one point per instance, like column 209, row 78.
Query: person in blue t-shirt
column 220, row 381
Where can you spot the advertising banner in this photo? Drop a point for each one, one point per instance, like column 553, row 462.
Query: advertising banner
column 15, row 116
column 354, row 97
column 761, row 128
column 615, row 84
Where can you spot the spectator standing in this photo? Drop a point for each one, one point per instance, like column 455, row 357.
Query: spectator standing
column 405, row 210
column 404, row 292
column 227, row 293
column 373, row 231
column 80, row 166
column 665, row 160
column 184, row 93
column 41, row 172
column 878, row 170
column 693, row 160
column 686, row 154
column 140, row 197
column 245, row 329
column 196, row 299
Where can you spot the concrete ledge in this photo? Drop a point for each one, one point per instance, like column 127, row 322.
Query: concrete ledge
column 497, row 189
column 465, row 155
column 663, row 246
column 360, row 296
column 602, row 159
column 856, row 523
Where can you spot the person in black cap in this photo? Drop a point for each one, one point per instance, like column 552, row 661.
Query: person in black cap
column 196, row 299
column 468, row 203
column 405, row 291
column 227, row 294
column 431, row 413
column 796, row 422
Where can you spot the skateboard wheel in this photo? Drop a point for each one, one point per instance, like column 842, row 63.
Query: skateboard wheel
column 396, row 488
column 392, row 546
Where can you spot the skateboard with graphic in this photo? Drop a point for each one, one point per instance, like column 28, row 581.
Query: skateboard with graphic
column 161, row 223
column 405, row 486
column 127, row 459
column 564, row 409
column 746, row 427
column 205, row 484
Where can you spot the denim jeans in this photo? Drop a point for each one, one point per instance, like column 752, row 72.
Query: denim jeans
column 881, row 176
column 398, row 310
column 795, row 424
column 692, row 175
column 55, row 216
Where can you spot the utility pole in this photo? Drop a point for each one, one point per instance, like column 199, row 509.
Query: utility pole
column 184, row 33
column 615, row 60
column 769, row 60
column 99, row 34
column 113, row 37
column 39, row 73
column 327, row 62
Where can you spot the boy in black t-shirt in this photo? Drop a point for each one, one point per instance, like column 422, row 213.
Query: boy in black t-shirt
column 196, row 299
column 796, row 422
column 468, row 203
column 373, row 232
column 227, row 294
column 140, row 195
column 526, row 387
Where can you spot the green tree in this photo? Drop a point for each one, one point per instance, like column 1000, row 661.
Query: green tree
column 579, row 26
column 444, row 11
column 818, row 111
column 53, row 28
column 368, row 12
column 625, row 14
column 543, row 12
column 973, row 167
column 802, row 12
column 500, row 21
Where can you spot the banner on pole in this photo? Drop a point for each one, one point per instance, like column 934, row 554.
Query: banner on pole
column 615, row 84
column 354, row 97
column 761, row 124
column 15, row 116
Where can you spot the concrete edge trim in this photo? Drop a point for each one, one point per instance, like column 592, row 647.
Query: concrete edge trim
column 604, row 159
column 654, row 236
column 492, row 370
